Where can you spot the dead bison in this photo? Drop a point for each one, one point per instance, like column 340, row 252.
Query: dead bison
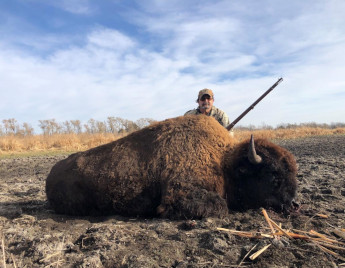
column 185, row 167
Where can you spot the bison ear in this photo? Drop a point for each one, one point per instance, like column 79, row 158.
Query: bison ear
column 252, row 156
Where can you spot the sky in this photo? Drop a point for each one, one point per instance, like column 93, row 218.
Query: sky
column 83, row 59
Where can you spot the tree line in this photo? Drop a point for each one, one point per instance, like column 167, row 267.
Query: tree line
column 115, row 125
column 118, row 125
column 332, row 125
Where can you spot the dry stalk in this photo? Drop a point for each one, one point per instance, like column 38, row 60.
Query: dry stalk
column 58, row 263
column 239, row 265
column 330, row 252
column 58, row 251
column 298, row 236
column 318, row 239
column 246, row 234
column 268, row 221
column 280, row 229
column 324, row 216
column 14, row 261
column 50, row 256
column 321, row 237
column 300, row 231
column 326, row 244
column 259, row 252
column 231, row 265
column 339, row 233
column 324, row 237
column 3, row 249
column 204, row 263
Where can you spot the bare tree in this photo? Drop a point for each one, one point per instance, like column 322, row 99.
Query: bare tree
column 101, row 127
column 5, row 126
column 76, row 126
column 91, row 126
column 67, row 127
column 28, row 129
column 50, row 127
column 10, row 126
column 144, row 122
column 127, row 125
column 114, row 124
column 87, row 128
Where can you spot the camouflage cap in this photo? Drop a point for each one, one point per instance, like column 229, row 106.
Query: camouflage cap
column 205, row 91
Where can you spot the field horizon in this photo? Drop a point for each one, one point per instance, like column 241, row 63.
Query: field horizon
column 65, row 143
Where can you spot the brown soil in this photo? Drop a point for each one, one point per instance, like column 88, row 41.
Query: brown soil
column 34, row 236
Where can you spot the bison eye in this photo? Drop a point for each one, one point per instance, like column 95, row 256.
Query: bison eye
column 242, row 170
column 276, row 182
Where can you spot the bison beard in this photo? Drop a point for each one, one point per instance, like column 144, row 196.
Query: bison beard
column 185, row 167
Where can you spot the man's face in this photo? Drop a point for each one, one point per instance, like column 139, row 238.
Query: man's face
column 205, row 103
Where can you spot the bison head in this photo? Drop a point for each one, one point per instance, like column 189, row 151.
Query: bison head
column 260, row 175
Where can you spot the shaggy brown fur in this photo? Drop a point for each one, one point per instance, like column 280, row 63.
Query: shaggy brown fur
column 177, row 168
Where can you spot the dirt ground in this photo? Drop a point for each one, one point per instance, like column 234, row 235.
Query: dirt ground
column 33, row 236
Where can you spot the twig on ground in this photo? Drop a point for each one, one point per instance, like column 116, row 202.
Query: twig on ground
column 268, row 220
column 14, row 261
column 339, row 233
column 50, row 256
column 324, row 237
column 58, row 263
column 58, row 252
column 330, row 252
column 239, row 265
column 324, row 216
column 320, row 215
column 3, row 249
column 246, row 234
column 280, row 229
column 259, row 252
column 326, row 244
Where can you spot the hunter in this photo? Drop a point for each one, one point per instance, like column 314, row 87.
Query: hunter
column 205, row 101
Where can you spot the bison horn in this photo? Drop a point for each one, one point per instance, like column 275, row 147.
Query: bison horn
column 252, row 156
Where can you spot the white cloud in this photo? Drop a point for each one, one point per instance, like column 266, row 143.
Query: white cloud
column 75, row 6
column 234, row 49
column 112, row 39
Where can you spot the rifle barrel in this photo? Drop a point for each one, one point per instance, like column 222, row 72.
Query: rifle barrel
column 229, row 127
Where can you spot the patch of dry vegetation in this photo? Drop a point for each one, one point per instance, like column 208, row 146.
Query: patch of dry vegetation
column 288, row 133
column 55, row 143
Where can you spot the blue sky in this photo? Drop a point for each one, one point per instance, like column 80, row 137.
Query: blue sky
column 80, row 59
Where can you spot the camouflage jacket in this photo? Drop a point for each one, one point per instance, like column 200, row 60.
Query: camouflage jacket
column 218, row 114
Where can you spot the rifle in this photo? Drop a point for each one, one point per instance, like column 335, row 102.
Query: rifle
column 229, row 127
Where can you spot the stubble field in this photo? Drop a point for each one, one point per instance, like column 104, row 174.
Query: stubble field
column 32, row 235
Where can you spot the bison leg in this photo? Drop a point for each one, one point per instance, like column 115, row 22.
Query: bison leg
column 194, row 204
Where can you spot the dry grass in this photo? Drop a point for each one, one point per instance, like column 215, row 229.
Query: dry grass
column 45, row 144
column 291, row 133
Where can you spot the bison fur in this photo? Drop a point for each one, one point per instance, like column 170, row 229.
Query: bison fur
column 184, row 167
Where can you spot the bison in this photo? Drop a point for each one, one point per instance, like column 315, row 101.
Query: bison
column 184, row 167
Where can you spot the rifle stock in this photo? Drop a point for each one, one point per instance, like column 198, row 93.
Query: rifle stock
column 229, row 127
